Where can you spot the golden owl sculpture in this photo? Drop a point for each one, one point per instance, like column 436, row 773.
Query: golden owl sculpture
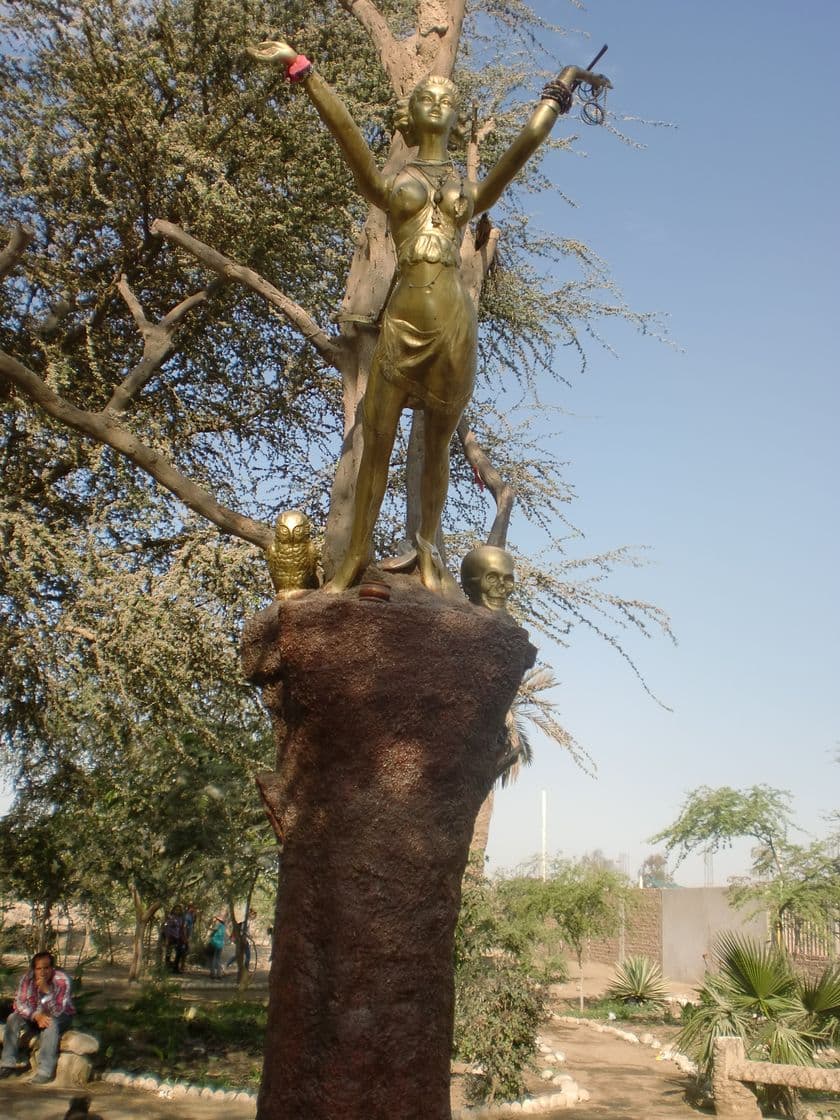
column 292, row 556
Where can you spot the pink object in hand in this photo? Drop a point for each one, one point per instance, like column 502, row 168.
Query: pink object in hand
column 298, row 69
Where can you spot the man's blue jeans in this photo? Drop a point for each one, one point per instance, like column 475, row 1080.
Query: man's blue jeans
column 48, row 1049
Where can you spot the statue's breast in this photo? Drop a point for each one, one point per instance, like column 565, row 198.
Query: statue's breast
column 408, row 197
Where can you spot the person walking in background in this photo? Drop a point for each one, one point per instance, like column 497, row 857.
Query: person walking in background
column 43, row 1005
column 215, row 945
column 173, row 931
column 239, row 933
column 187, row 927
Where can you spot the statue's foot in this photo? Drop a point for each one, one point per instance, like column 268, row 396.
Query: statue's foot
column 434, row 574
column 345, row 576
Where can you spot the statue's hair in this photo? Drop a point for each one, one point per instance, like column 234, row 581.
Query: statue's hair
column 404, row 118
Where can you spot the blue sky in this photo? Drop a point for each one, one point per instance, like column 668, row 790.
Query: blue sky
column 721, row 456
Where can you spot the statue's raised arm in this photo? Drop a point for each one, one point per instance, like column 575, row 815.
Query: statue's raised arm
column 425, row 355
column 556, row 99
column 333, row 113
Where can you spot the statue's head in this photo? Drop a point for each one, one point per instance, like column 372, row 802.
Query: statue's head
column 487, row 577
column 293, row 526
column 433, row 104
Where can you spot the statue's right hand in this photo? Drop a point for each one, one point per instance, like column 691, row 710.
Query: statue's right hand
column 273, row 50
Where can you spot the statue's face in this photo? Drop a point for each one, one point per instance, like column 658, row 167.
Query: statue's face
column 488, row 579
column 497, row 585
column 434, row 108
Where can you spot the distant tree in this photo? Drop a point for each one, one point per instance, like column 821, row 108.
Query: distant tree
column 800, row 881
column 36, row 864
column 711, row 819
column 654, row 872
column 585, row 901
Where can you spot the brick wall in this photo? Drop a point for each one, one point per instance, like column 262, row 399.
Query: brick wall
column 642, row 934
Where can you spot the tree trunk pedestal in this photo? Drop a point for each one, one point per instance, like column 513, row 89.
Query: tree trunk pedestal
column 387, row 717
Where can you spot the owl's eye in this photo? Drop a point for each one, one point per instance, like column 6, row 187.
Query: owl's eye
column 283, row 533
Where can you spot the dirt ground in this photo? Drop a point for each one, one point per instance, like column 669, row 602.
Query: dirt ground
column 623, row 1080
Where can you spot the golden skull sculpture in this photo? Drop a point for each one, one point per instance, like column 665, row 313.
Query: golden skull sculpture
column 487, row 577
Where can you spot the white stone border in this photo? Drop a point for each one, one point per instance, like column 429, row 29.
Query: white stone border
column 175, row 1090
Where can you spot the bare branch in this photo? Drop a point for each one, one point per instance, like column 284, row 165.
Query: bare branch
column 450, row 38
column 133, row 303
column 502, row 491
column 478, row 133
column 395, row 57
column 330, row 350
column 103, row 428
column 478, row 262
column 18, row 240
column 158, row 341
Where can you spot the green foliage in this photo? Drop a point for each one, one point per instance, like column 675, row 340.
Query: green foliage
column 790, row 880
column 638, row 980
column 755, row 995
column 498, row 1006
column 165, row 1034
column 712, row 818
column 583, row 899
column 654, row 872
column 821, row 999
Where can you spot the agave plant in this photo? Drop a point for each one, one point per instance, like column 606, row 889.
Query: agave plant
column 638, row 980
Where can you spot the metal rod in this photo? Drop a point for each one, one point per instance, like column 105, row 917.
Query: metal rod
column 597, row 57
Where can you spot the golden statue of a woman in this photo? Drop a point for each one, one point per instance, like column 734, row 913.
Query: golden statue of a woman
column 426, row 353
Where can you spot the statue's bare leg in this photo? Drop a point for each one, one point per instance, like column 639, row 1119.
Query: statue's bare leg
column 381, row 412
column 439, row 428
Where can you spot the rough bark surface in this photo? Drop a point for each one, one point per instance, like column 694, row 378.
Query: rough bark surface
column 386, row 715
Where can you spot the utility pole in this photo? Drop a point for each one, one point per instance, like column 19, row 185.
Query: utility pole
column 708, row 869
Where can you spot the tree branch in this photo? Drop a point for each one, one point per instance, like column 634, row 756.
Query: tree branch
column 477, row 263
column 502, row 491
column 450, row 37
column 158, row 341
column 103, row 428
column 394, row 56
column 325, row 344
column 18, row 240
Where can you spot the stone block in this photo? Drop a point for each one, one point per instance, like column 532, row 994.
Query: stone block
column 73, row 1070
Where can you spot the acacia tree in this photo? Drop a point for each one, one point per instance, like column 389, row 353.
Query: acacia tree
column 788, row 879
column 586, row 898
column 163, row 125
column 212, row 368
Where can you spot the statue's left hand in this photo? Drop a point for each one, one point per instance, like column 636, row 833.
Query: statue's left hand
column 273, row 50
column 597, row 81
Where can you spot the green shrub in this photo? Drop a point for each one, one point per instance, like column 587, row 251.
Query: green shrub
column 498, row 1011
column 498, row 1005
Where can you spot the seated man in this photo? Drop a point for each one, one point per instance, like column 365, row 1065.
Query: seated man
column 44, row 1005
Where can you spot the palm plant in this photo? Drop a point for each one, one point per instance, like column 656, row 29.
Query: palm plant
column 821, row 997
column 638, row 980
column 532, row 705
column 755, row 995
